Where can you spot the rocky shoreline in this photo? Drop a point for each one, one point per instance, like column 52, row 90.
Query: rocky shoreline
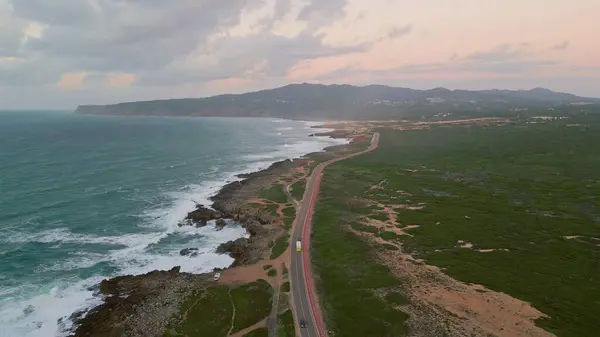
column 141, row 305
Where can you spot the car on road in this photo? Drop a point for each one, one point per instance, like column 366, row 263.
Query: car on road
column 217, row 276
column 298, row 245
column 302, row 323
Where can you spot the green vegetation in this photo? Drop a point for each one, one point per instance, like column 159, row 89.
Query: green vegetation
column 260, row 332
column 207, row 312
column 379, row 216
column 272, row 208
column 347, row 271
column 289, row 212
column 289, row 216
column 274, row 193
column 519, row 189
column 390, row 246
column 285, row 324
column 396, row 298
column 388, row 236
column 285, row 287
column 297, row 189
column 364, row 228
column 272, row 273
column 268, row 266
column 284, row 268
column 252, row 303
column 281, row 244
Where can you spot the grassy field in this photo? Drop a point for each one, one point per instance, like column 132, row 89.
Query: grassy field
column 297, row 189
column 205, row 313
column 280, row 246
column 274, row 193
column 209, row 312
column 285, row 323
column 252, row 303
column 519, row 190
column 289, row 216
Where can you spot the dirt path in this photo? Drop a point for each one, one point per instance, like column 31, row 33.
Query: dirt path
column 232, row 313
column 241, row 333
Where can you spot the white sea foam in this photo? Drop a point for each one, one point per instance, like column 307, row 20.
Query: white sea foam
column 137, row 253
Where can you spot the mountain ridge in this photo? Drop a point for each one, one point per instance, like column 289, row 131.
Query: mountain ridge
column 319, row 101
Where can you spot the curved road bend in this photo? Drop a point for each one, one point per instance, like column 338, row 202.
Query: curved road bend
column 305, row 305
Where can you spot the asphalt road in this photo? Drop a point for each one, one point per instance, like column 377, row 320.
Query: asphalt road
column 306, row 306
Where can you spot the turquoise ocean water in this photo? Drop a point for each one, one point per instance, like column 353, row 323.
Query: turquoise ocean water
column 83, row 198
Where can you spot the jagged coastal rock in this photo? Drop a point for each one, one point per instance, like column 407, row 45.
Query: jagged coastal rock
column 220, row 224
column 200, row 216
column 191, row 252
column 138, row 305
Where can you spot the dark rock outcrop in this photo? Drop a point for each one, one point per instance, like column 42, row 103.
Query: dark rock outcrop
column 238, row 249
column 138, row 305
column 201, row 216
column 191, row 252
column 220, row 224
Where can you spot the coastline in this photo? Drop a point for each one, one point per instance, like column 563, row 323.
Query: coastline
column 121, row 296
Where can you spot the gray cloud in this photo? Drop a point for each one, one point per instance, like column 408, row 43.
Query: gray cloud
column 134, row 36
column 321, row 12
column 561, row 46
column 56, row 12
column 397, row 32
column 152, row 38
column 278, row 52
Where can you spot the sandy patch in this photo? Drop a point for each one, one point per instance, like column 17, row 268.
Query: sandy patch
column 412, row 207
column 569, row 237
column 468, row 245
column 492, row 250
column 464, row 244
column 388, row 227
column 460, row 309
column 254, row 272
column 379, row 186
column 403, row 193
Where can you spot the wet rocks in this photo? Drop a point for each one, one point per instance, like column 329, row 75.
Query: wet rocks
column 220, row 224
column 238, row 249
column 191, row 252
column 201, row 216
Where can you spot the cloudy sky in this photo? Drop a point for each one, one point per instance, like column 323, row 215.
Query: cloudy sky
column 61, row 53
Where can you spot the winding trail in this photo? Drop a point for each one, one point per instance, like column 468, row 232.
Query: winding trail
column 304, row 299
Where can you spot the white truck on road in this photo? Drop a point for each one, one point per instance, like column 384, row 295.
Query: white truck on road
column 298, row 245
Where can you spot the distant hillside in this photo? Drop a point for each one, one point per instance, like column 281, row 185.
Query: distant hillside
column 315, row 101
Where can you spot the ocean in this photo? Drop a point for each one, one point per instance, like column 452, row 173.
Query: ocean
column 83, row 198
